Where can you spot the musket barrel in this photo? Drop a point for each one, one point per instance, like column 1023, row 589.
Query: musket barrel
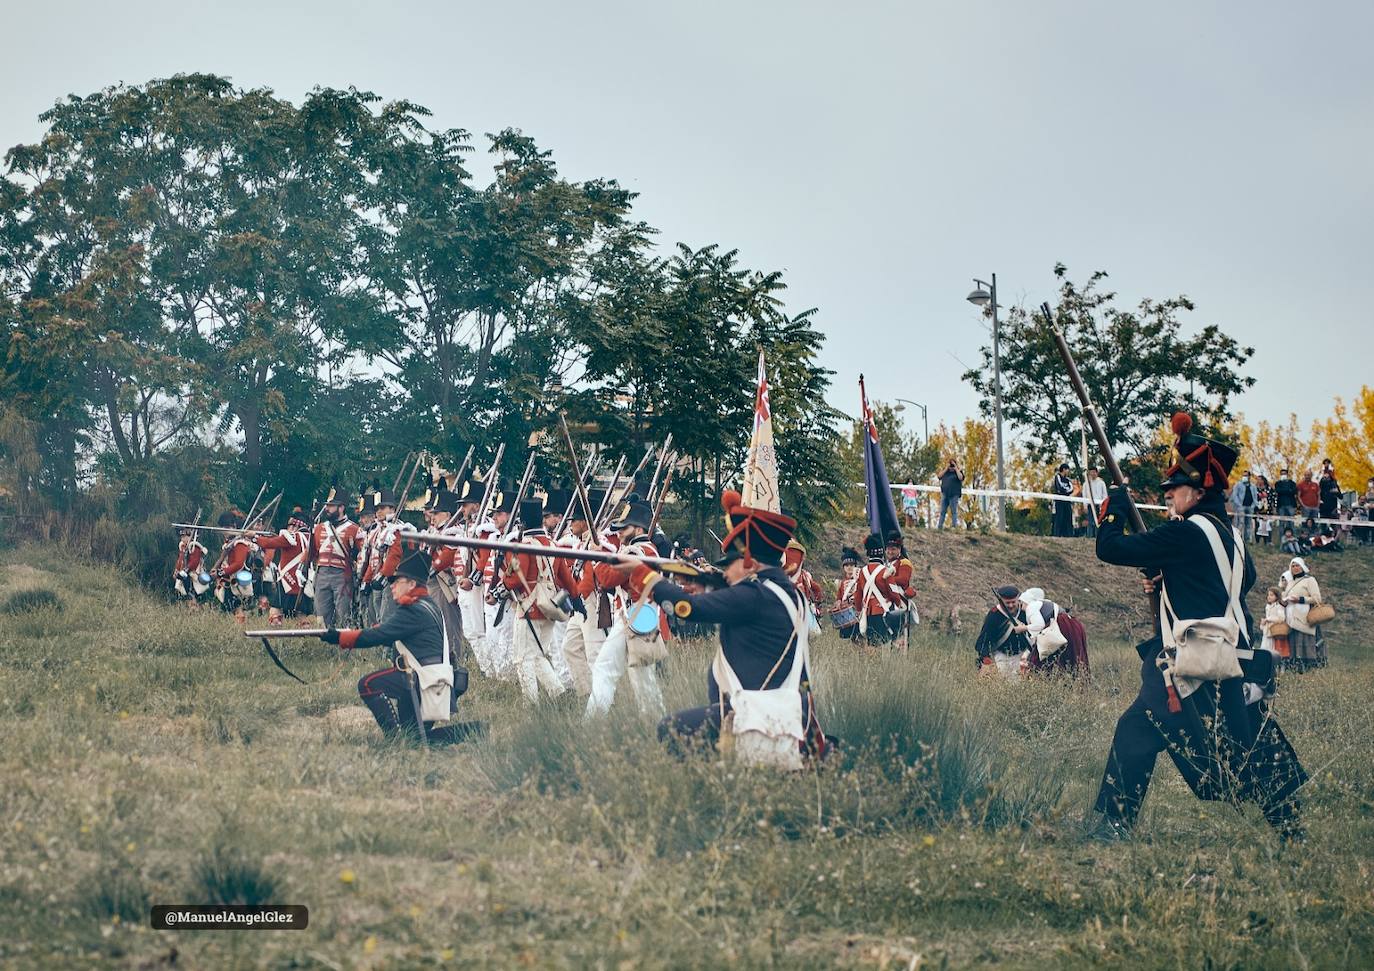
column 286, row 632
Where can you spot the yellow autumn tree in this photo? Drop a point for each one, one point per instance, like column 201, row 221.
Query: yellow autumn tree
column 1268, row 449
column 973, row 444
column 1347, row 439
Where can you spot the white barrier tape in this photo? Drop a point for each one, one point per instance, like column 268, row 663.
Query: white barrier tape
column 1018, row 494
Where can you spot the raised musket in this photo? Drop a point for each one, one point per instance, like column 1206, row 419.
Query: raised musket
column 658, row 469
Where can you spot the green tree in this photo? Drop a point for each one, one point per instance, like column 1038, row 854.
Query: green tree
column 1139, row 367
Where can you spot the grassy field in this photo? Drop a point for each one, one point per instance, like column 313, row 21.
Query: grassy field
column 151, row 756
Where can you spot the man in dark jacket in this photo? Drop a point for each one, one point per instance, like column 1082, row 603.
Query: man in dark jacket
column 1220, row 734
column 1003, row 638
column 1062, row 485
column 757, row 633
column 1286, row 494
column 951, row 490
column 416, row 623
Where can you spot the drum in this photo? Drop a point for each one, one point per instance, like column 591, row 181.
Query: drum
column 843, row 616
column 644, row 619
column 201, row 583
column 243, row 583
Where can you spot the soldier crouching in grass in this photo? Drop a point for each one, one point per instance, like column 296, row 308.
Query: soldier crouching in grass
column 1204, row 689
column 417, row 629
column 758, row 688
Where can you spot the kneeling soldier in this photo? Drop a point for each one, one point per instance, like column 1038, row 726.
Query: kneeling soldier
column 415, row 625
column 763, row 640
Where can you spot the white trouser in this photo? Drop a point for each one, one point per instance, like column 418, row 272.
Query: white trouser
column 474, row 622
column 611, row 664
column 531, row 639
column 580, row 646
column 500, row 643
column 555, row 651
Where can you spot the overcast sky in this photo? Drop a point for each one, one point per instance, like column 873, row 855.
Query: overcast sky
column 882, row 155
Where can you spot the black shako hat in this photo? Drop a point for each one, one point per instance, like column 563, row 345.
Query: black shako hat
column 849, row 554
column 445, row 501
column 384, row 497
column 757, row 534
column 556, row 502
column 532, row 513
column 635, row 512
column 874, row 545
column 471, row 491
column 504, row 500
column 1198, row 462
column 414, row 566
column 1008, row 592
column 596, row 498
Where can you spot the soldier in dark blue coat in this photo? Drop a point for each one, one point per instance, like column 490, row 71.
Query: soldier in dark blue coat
column 1221, row 736
column 416, row 623
column 757, row 635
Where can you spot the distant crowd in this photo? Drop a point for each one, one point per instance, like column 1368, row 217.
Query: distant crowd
column 1286, row 511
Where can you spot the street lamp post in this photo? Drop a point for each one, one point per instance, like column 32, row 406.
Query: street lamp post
column 925, row 423
column 983, row 296
column 925, row 415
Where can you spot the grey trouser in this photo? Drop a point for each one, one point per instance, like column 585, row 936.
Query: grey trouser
column 333, row 595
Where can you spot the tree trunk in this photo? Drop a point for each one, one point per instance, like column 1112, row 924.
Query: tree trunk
column 249, row 414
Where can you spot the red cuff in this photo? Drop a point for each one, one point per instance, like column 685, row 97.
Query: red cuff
column 348, row 639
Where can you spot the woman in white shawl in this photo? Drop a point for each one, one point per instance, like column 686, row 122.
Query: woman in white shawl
column 1304, row 639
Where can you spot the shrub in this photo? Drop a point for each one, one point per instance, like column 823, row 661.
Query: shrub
column 118, row 891
column 31, row 601
column 226, row 875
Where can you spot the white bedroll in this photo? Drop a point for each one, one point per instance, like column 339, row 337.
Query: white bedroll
column 764, row 727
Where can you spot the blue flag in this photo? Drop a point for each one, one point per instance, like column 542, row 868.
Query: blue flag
column 882, row 514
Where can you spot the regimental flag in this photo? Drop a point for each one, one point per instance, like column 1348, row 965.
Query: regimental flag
column 761, row 471
column 882, row 514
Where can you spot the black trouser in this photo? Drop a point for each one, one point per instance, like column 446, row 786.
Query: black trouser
column 387, row 695
column 1251, row 760
column 1063, row 518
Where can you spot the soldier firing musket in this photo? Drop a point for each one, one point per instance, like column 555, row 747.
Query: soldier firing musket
column 1204, row 688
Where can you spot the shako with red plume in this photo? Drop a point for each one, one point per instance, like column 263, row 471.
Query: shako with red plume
column 1199, row 462
column 757, row 535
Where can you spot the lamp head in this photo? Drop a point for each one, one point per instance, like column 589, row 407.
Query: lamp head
column 979, row 297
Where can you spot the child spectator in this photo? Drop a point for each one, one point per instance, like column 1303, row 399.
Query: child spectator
column 1275, row 625
column 1291, row 546
column 1264, row 527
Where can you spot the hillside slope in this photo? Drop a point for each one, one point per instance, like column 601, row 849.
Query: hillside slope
column 956, row 571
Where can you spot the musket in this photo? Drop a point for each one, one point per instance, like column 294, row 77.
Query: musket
column 594, row 463
column 658, row 469
column 668, row 564
column 257, row 499
column 224, row 529
column 521, row 526
column 463, row 469
column 1104, row 448
column 594, row 524
column 648, row 452
column 401, row 502
column 609, row 507
column 658, row 506
column 401, row 472
column 263, row 636
column 263, row 514
column 577, row 478
column 493, row 474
